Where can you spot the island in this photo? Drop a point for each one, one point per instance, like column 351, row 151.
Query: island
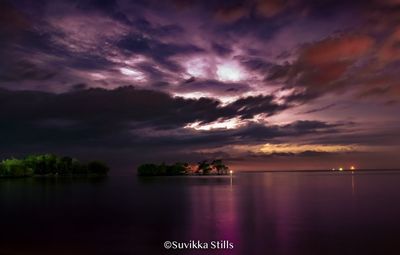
column 50, row 165
column 205, row 167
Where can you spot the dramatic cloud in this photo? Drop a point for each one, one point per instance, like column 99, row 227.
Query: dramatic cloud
column 270, row 8
column 213, row 87
column 110, row 110
column 255, row 79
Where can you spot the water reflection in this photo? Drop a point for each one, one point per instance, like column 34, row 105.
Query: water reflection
column 213, row 214
column 263, row 213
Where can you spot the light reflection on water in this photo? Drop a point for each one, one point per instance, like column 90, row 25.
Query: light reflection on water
column 260, row 213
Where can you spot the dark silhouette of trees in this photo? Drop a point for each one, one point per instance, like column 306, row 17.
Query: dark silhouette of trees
column 15, row 168
column 163, row 169
column 151, row 170
column 203, row 168
column 216, row 166
column 50, row 165
column 219, row 166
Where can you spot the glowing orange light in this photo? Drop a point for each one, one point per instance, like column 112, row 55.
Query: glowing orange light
column 352, row 168
column 341, row 169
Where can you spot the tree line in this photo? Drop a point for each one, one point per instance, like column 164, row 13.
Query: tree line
column 50, row 164
column 204, row 167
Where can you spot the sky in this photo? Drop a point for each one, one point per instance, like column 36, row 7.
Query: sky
column 262, row 84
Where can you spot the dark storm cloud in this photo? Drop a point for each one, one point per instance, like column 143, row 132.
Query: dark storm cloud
column 49, row 121
column 388, row 136
column 284, row 155
column 213, row 87
column 129, row 117
column 104, row 5
column 158, row 51
column 278, row 72
column 258, row 132
column 301, row 97
column 25, row 70
column 221, row 50
column 136, row 119
column 255, row 63
column 147, row 27
column 310, row 126
column 249, row 134
column 267, row 69
column 12, row 21
column 137, row 43
column 320, row 109
column 121, row 106
column 153, row 73
column 248, row 106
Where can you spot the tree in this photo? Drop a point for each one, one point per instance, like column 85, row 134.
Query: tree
column 3, row 170
column 163, row 169
column 176, row 169
column 64, row 165
column 149, row 170
column 219, row 166
column 15, row 168
column 50, row 164
column 78, row 168
column 204, row 166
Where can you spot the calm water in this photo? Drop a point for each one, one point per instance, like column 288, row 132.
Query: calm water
column 263, row 213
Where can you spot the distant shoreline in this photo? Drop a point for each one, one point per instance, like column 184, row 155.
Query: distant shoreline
column 330, row 171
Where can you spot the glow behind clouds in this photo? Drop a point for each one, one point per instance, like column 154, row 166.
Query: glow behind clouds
column 217, row 125
column 134, row 74
column 230, row 71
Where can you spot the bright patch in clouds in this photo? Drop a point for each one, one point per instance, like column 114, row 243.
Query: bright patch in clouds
column 221, row 124
column 196, row 95
column 192, row 95
column 209, row 67
column 136, row 75
column 299, row 148
column 230, row 71
column 199, row 67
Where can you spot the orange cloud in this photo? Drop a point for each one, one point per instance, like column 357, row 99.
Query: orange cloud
column 12, row 21
column 326, row 73
column 231, row 14
column 326, row 62
column 332, row 64
column 388, row 2
column 338, row 49
column 270, row 8
column 390, row 50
